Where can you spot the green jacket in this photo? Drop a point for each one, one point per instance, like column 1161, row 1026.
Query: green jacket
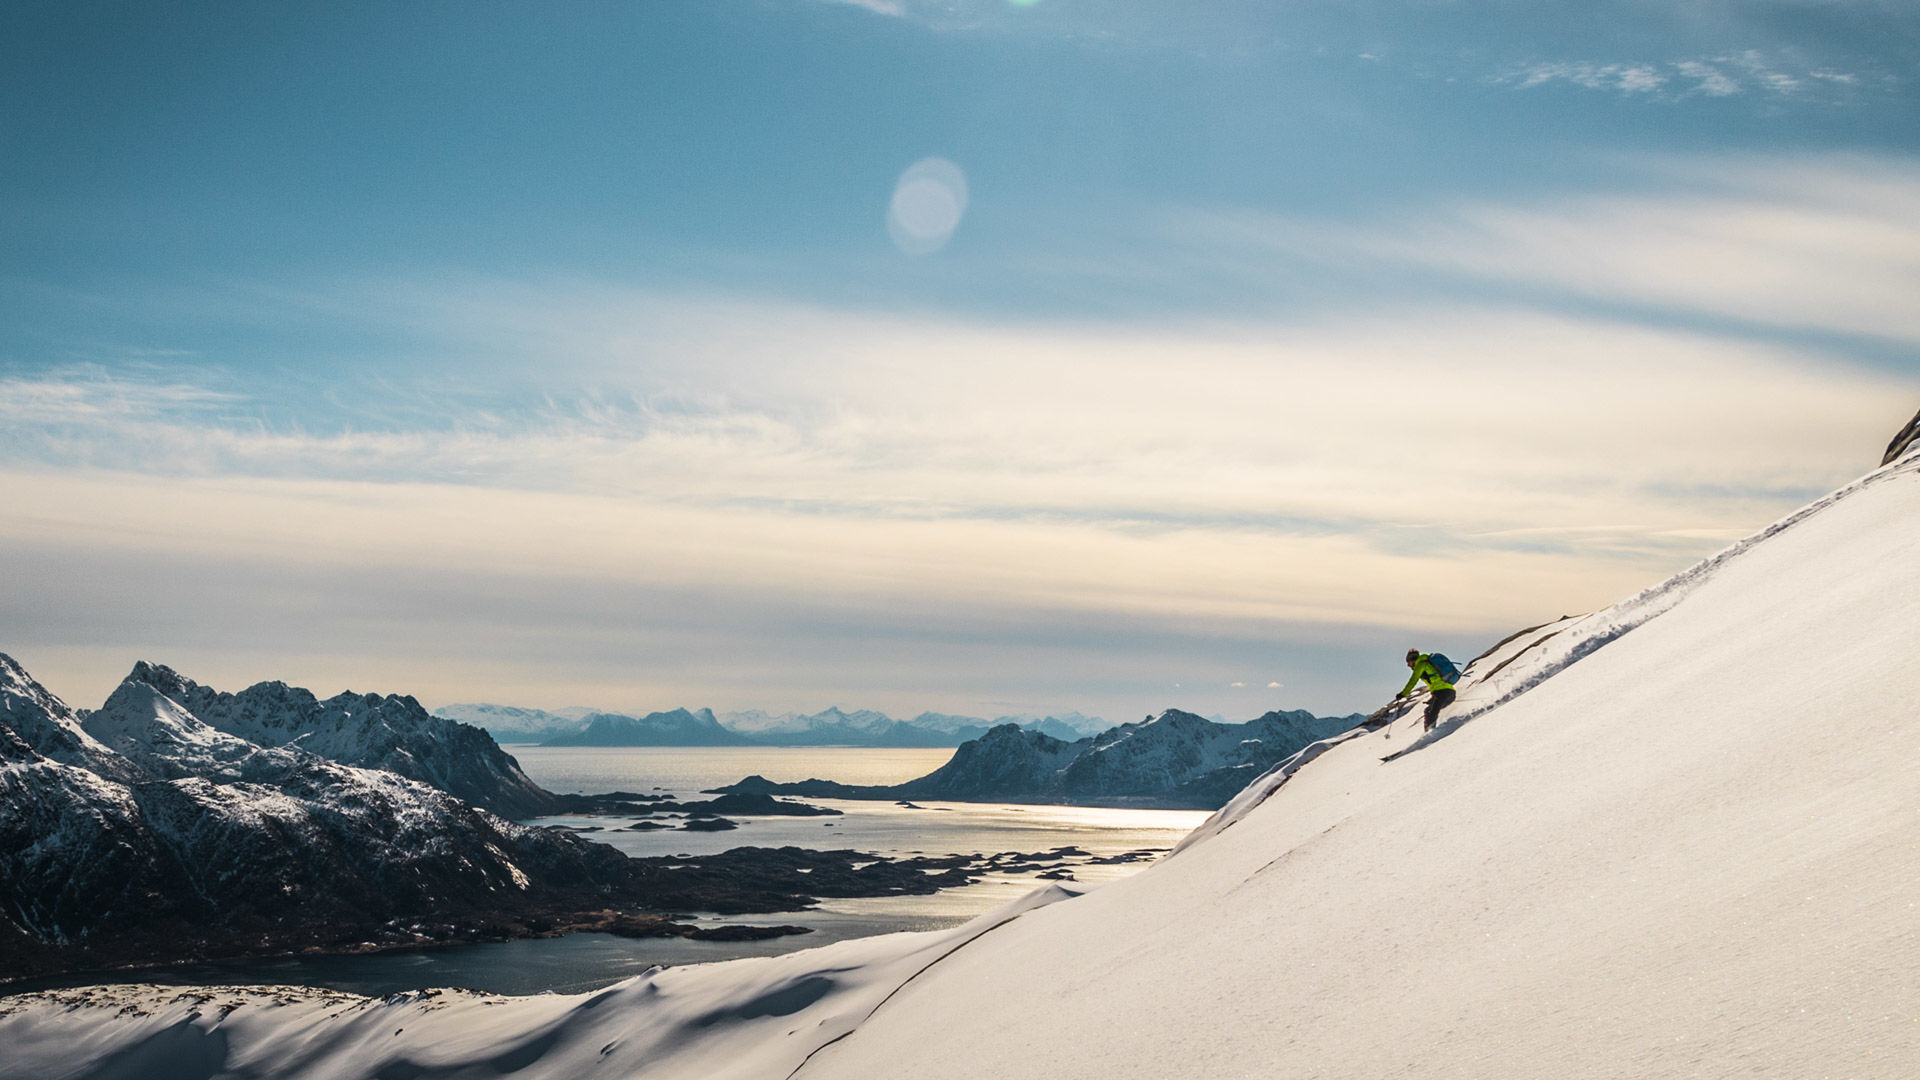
column 1423, row 669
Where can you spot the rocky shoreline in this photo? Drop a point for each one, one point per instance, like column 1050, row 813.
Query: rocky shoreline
column 740, row 881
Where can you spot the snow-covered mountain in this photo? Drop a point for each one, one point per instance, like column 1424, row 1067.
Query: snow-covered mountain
column 1675, row 837
column 146, row 834
column 1067, row 726
column 680, row 727
column 1200, row 762
column 1007, row 763
column 832, row 726
column 371, row 731
column 512, row 724
column 1175, row 760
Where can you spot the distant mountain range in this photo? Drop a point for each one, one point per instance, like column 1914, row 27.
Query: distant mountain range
column 509, row 724
column 676, row 728
column 1174, row 760
column 701, row 727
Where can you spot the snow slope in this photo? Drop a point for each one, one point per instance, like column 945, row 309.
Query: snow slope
column 1679, row 837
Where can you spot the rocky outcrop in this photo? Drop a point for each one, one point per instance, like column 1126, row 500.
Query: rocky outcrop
column 370, row 731
column 1903, row 440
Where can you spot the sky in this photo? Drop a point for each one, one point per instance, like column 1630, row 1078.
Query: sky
column 973, row 356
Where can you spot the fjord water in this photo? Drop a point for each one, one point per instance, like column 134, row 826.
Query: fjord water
column 582, row 962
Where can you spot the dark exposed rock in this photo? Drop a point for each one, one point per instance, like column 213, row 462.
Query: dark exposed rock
column 1902, row 440
column 755, row 879
column 1142, row 855
column 806, row 789
column 710, row 824
column 620, row 804
column 758, row 806
column 750, row 804
column 746, row 933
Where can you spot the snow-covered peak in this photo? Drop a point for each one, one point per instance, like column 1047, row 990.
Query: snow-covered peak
column 152, row 730
column 36, row 724
column 162, row 679
column 374, row 731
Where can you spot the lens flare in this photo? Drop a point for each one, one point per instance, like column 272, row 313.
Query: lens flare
column 928, row 201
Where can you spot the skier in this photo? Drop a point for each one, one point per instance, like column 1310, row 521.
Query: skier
column 1440, row 675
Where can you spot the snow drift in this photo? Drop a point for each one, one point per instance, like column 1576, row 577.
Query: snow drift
column 1678, row 837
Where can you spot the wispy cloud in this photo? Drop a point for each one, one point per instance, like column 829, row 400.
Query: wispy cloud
column 1708, row 79
column 1717, row 76
column 892, row 8
column 1481, row 464
column 1627, row 78
column 1817, row 244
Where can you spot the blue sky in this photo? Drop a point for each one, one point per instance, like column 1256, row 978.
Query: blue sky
column 563, row 354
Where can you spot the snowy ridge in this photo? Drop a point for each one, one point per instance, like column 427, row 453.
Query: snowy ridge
column 43, row 726
column 391, row 733
column 1536, row 654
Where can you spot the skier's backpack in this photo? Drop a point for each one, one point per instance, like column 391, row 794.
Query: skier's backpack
column 1444, row 666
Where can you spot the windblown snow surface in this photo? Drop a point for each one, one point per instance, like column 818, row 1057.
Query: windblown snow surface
column 1679, row 837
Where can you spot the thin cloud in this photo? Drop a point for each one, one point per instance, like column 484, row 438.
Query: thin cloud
column 1716, row 76
column 1708, row 80
column 1795, row 243
column 878, row 7
column 1629, row 79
